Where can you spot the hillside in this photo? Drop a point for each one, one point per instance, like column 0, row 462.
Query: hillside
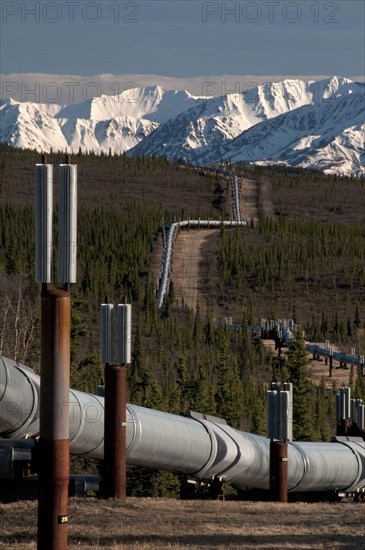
column 114, row 181
column 184, row 359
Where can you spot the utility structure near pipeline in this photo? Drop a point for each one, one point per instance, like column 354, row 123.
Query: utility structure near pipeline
column 279, row 431
column 114, row 469
column 53, row 446
column 350, row 414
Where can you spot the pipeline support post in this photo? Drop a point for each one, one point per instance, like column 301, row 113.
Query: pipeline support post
column 114, row 482
column 343, row 410
column 279, row 430
column 53, row 445
column 279, row 471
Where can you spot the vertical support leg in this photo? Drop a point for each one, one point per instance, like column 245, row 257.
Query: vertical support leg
column 115, row 426
column 279, row 471
column 53, row 446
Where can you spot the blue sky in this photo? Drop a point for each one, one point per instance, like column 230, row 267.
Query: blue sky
column 183, row 39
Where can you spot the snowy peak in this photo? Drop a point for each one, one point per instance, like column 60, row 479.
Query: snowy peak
column 42, row 127
column 328, row 135
column 25, row 125
column 118, row 134
column 324, row 89
column 215, row 129
column 152, row 103
column 116, row 123
column 303, row 123
column 280, row 97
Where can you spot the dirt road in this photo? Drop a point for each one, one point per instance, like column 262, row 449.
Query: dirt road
column 189, row 249
column 186, row 265
column 248, row 199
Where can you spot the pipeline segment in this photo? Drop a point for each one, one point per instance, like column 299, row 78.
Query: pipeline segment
column 174, row 229
column 340, row 356
column 236, row 199
column 170, row 240
column 199, row 446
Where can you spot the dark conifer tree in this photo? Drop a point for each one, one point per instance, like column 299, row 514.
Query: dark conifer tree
column 303, row 392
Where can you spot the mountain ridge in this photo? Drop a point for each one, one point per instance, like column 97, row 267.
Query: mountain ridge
column 155, row 121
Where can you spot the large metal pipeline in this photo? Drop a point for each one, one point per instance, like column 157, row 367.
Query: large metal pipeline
column 199, row 446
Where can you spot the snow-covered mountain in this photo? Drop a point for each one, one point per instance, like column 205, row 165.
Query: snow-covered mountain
column 25, row 125
column 217, row 129
column 328, row 136
column 151, row 103
column 201, row 130
column 115, row 123
column 318, row 124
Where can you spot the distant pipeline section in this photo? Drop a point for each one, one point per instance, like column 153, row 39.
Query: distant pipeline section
column 197, row 224
column 282, row 331
column 236, row 199
column 169, row 247
column 200, row 446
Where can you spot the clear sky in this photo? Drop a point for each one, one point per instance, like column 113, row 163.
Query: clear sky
column 183, row 39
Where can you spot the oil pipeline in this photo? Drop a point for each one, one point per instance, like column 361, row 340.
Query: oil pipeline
column 199, row 446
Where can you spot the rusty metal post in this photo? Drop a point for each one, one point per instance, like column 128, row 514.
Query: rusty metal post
column 115, row 432
column 53, row 446
column 279, row 471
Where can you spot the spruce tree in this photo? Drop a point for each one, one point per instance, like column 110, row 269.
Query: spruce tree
column 321, row 424
column 229, row 394
column 303, row 398
column 357, row 320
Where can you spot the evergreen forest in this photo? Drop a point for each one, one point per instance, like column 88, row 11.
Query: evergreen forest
column 305, row 261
